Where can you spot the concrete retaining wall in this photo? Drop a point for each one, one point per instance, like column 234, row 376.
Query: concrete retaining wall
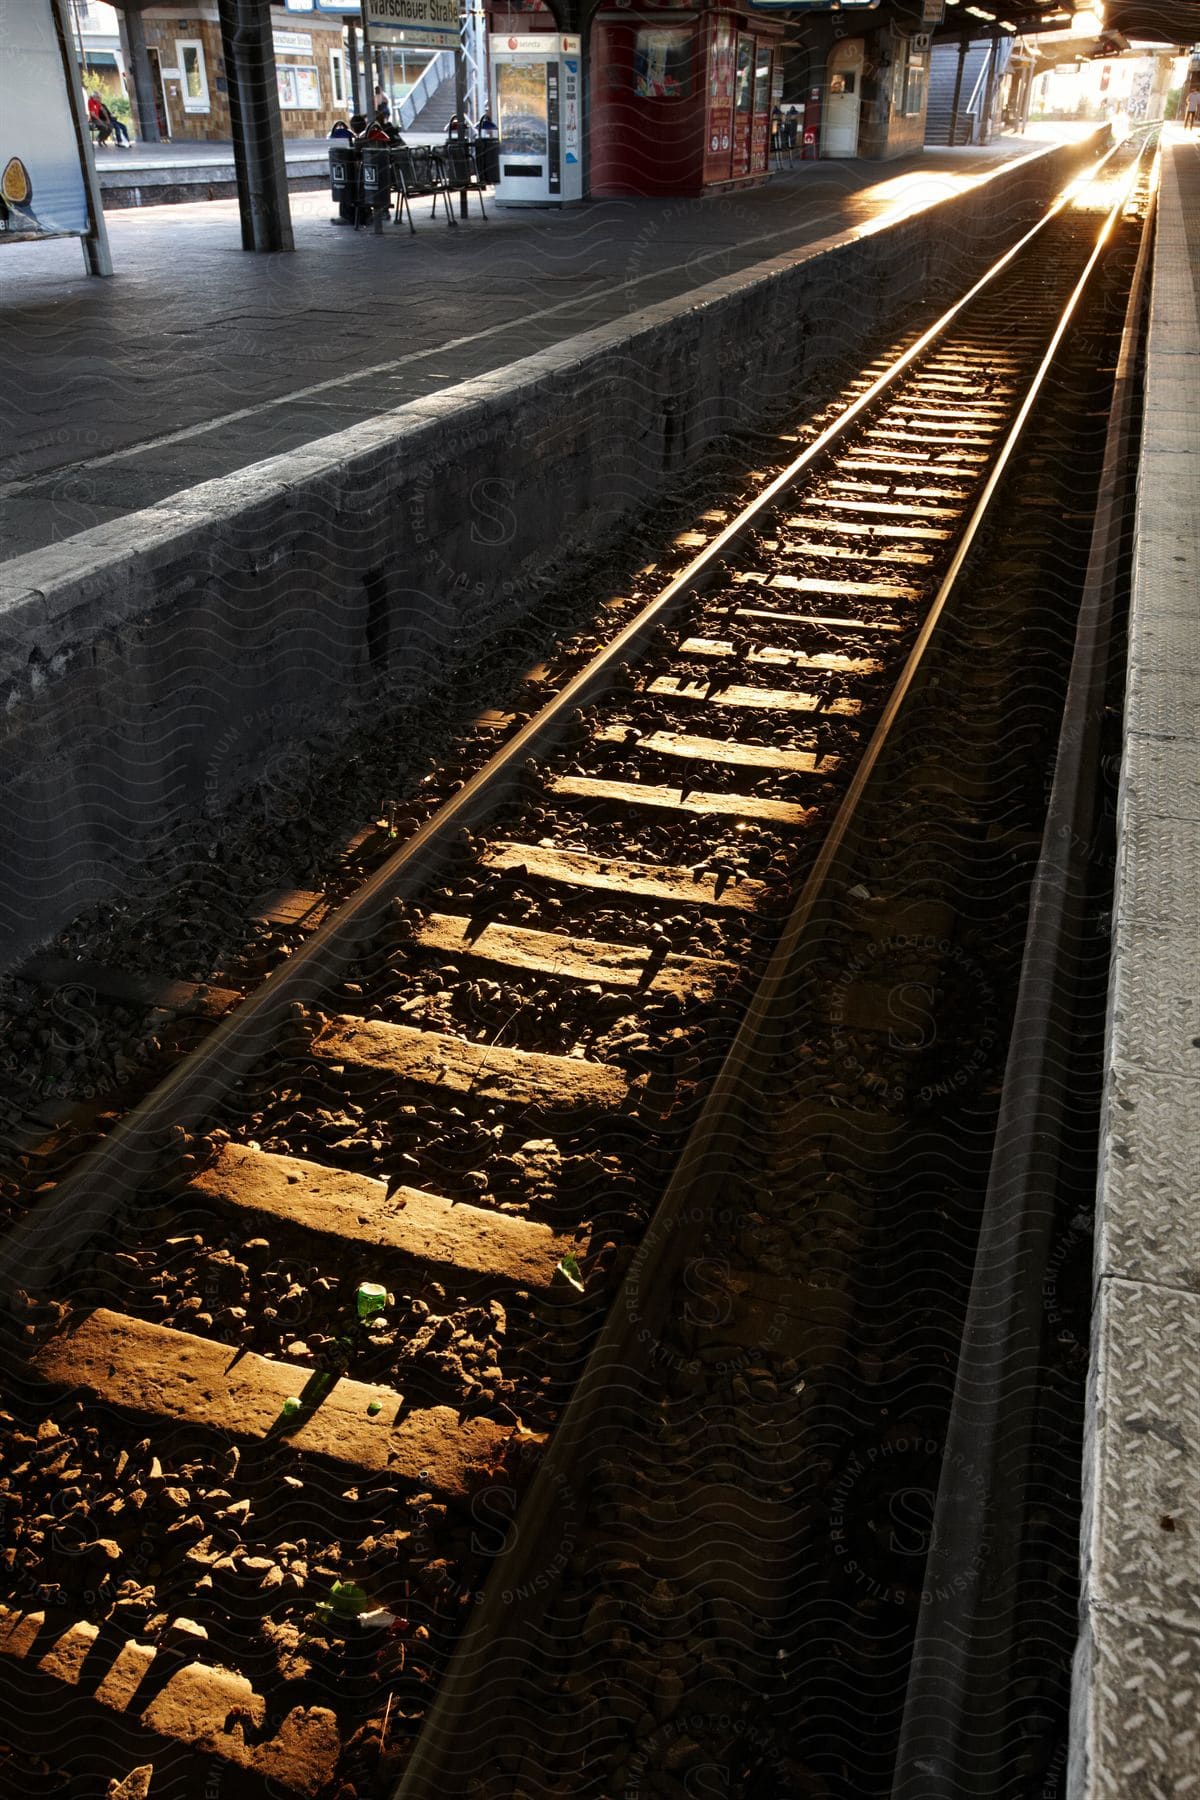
column 181, row 187
column 151, row 666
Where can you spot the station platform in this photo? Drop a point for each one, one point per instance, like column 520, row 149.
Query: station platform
column 196, row 360
column 1137, row 1678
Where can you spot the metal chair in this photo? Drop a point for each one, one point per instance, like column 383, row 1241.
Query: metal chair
column 462, row 173
column 418, row 174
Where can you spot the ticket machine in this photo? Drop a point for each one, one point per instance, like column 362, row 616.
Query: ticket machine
column 537, row 88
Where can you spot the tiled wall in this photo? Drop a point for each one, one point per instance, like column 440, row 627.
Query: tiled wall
column 163, row 30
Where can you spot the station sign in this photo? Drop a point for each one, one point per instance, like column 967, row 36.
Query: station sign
column 388, row 37
column 431, row 23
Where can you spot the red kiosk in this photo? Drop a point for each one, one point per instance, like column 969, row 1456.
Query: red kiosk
column 680, row 97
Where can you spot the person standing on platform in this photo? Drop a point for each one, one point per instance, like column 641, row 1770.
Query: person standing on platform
column 1191, row 109
column 383, row 106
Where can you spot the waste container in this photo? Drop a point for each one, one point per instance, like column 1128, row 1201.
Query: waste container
column 376, row 175
column 487, row 159
column 345, row 163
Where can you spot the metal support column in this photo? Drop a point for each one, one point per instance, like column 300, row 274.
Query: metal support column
column 352, row 65
column 141, row 77
column 368, row 65
column 985, row 117
column 257, row 128
column 475, row 42
column 963, row 45
column 460, row 99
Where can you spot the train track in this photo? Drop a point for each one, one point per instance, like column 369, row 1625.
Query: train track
column 291, row 1339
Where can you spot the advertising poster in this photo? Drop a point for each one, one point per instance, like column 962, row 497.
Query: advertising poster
column 761, row 132
column 299, row 87
column 718, row 141
column 42, row 191
column 743, row 104
column 553, row 129
column 571, row 110
column 521, row 111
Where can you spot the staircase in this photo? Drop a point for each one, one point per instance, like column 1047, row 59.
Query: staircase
column 943, row 72
column 437, row 111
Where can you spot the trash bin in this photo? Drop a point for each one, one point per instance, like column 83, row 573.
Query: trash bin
column 345, row 162
column 487, row 160
column 376, row 174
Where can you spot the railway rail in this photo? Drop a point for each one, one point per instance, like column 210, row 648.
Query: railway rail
column 291, row 1341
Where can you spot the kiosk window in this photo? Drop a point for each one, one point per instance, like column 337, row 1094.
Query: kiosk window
column 744, row 91
column 662, row 65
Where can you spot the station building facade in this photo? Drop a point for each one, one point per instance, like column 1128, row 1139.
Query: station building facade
column 677, row 96
column 187, row 68
column 861, row 80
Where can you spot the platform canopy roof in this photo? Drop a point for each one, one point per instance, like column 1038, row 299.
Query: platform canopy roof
column 1116, row 22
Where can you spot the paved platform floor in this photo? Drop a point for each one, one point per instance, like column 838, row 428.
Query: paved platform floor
column 1137, row 1697
column 197, row 359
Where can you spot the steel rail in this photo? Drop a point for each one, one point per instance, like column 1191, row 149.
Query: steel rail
column 42, row 1244
column 954, row 1734
column 478, row 1688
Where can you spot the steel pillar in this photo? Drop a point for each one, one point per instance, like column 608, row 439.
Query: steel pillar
column 368, row 67
column 257, row 128
column 963, row 46
column 141, row 79
column 460, row 100
column 352, row 65
column 985, row 117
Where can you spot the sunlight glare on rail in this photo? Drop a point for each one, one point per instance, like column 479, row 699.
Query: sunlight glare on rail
column 904, row 194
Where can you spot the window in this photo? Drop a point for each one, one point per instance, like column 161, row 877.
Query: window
column 914, row 81
column 662, row 65
column 337, row 76
column 193, row 77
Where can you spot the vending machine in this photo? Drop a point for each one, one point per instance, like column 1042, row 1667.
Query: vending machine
column 537, row 103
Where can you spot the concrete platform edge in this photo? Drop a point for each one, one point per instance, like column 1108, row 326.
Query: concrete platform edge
column 1136, row 1688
